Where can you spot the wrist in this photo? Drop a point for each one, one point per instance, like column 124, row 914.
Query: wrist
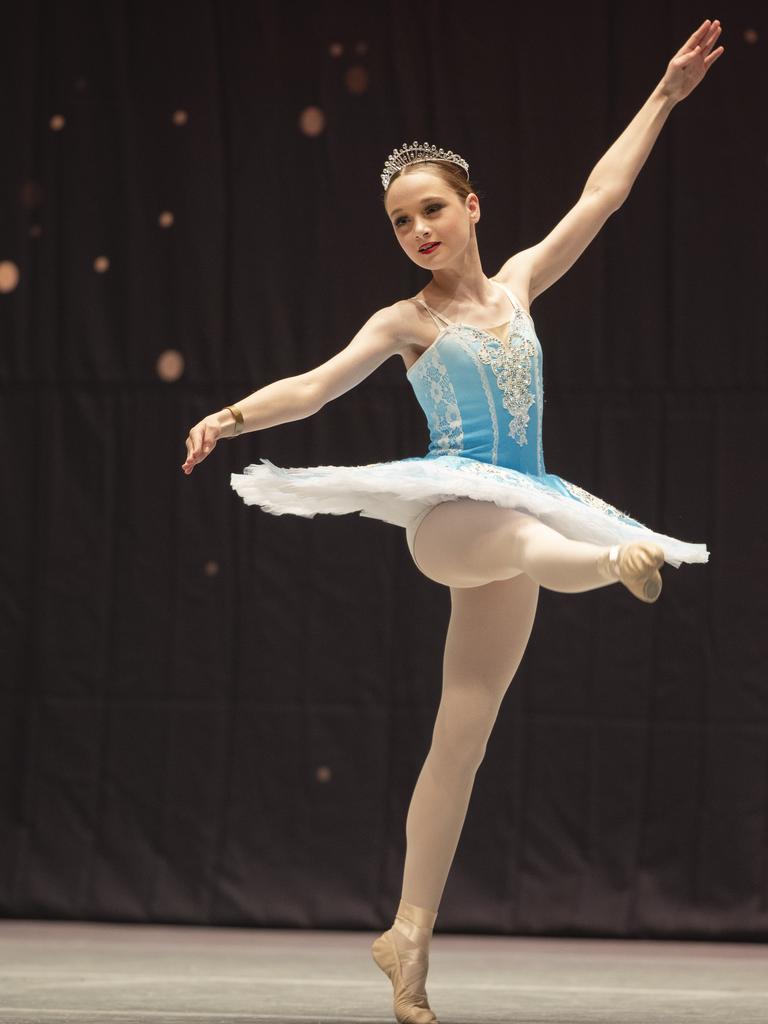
column 664, row 96
column 226, row 422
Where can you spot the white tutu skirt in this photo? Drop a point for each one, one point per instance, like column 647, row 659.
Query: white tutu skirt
column 398, row 492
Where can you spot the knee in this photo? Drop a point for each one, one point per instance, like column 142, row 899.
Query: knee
column 460, row 755
column 462, row 737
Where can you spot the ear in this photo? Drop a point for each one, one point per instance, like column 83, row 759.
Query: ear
column 472, row 204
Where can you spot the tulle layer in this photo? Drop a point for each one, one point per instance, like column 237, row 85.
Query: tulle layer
column 397, row 492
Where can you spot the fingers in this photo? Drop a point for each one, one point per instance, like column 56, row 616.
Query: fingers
column 190, row 461
column 189, row 465
column 686, row 56
column 200, row 443
column 712, row 35
column 706, row 39
column 692, row 40
column 704, row 35
column 194, row 449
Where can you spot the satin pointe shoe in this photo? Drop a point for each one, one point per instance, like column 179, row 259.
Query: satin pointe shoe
column 636, row 565
column 407, row 968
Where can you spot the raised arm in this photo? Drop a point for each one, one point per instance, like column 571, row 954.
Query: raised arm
column 533, row 270
column 295, row 398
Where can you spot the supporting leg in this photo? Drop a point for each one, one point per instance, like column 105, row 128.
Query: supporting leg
column 486, row 639
column 487, row 636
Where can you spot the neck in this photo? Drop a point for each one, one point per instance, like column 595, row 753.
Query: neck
column 464, row 282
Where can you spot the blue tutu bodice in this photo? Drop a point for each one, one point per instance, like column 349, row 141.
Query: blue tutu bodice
column 483, row 398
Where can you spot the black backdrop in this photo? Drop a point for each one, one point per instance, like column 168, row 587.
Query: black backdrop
column 214, row 715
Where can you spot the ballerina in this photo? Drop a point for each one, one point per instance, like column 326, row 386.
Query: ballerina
column 479, row 509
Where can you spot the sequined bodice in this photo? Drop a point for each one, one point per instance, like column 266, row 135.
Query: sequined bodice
column 483, row 397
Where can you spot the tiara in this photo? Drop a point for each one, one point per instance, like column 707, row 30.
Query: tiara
column 416, row 153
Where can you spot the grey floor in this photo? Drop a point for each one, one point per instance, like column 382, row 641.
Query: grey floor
column 82, row 973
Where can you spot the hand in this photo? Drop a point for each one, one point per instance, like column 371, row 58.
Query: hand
column 202, row 439
column 692, row 61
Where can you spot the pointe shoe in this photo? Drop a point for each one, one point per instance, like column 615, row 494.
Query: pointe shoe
column 410, row 999
column 636, row 565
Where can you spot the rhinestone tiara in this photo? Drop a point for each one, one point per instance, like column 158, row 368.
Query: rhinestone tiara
column 418, row 153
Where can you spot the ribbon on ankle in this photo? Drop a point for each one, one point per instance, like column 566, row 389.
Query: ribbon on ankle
column 607, row 563
column 416, row 923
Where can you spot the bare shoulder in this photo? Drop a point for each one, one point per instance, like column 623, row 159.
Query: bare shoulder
column 415, row 329
column 392, row 323
column 411, row 318
column 402, row 328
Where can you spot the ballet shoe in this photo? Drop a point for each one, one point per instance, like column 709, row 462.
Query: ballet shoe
column 410, row 999
column 636, row 565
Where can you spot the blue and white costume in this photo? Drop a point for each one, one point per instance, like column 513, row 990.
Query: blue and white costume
column 483, row 397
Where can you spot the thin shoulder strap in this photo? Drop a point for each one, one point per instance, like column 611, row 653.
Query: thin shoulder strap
column 434, row 314
column 515, row 302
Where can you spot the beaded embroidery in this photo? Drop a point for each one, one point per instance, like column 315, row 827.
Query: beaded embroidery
column 502, row 473
column 597, row 503
column 511, row 363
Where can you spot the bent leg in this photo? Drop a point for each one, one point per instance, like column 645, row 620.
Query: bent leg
column 468, row 543
column 487, row 636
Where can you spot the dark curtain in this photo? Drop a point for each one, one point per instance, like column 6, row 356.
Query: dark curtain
column 214, row 715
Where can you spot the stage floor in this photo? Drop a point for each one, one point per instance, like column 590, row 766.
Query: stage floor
column 82, row 973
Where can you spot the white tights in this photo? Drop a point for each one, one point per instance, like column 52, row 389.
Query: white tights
column 494, row 560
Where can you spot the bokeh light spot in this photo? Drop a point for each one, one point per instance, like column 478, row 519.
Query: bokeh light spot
column 323, row 773
column 31, row 195
column 211, row 568
column 335, row 49
column 35, row 230
column 170, row 364
column 57, row 122
column 180, row 117
column 357, row 79
column 361, row 47
column 165, row 220
column 312, row 121
column 9, row 276
column 101, row 264
column 750, row 35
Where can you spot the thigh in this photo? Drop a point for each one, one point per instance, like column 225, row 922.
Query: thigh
column 465, row 542
column 412, row 529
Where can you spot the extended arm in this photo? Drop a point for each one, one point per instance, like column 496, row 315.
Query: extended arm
column 283, row 401
column 533, row 270
column 295, row 398
column 615, row 172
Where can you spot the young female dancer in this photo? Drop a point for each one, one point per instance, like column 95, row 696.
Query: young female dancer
column 492, row 524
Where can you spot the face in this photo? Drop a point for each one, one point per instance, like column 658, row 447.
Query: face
column 422, row 208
